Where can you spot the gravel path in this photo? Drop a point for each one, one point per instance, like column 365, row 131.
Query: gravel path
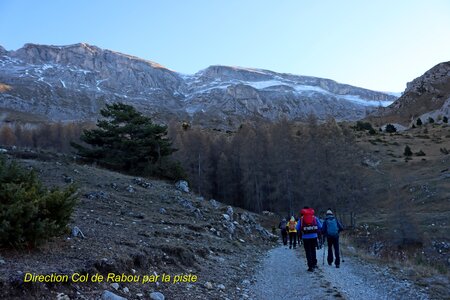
column 282, row 275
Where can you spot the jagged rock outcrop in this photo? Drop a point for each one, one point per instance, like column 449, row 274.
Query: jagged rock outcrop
column 427, row 95
column 74, row 82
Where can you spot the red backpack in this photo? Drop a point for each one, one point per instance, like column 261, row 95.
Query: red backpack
column 309, row 223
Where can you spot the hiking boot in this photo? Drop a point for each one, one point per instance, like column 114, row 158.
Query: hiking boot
column 310, row 270
column 290, row 247
column 337, row 266
column 329, row 264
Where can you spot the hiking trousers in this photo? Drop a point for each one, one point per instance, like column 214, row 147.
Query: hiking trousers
column 292, row 237
column 333, row 242
column 310, row 251
column 284, row 237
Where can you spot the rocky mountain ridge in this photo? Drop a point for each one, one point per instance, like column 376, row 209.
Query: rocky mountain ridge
column 74, row 82
column 426, row 96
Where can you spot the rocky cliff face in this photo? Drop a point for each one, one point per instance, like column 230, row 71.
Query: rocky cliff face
column 427, row 95
column 74, row 82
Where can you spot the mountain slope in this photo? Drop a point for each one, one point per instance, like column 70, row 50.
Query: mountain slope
column 136, row 226
column 427, row 95
column 73, row 82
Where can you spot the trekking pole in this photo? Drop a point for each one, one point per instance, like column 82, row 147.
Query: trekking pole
column 340, row 249
column 323, row 253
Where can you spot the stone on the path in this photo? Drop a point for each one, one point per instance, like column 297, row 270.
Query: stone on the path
column 162, row 211
column 107, row 295
column 208, row 285
column 62, row 296
column 157, row 296
column 77, row 232
column 221, row 287
column 115, row 286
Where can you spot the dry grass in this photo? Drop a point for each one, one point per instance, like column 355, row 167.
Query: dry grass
column 435, row 277
column 5, row 88
column 417, row 191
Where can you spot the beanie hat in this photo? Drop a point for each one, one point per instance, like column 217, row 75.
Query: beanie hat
column 329, row 212
column 292, row 218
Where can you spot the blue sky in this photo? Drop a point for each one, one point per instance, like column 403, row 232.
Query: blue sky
column 379, row 44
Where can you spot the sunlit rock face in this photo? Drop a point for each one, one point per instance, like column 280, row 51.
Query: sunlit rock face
column 74, row 82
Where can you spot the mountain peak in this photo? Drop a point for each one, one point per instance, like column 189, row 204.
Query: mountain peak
column 73, row 54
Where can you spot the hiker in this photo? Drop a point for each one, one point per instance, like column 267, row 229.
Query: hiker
column 309, row 226
column 331, row 229
column 299, row 234
column 282, row 226
column 292, row 224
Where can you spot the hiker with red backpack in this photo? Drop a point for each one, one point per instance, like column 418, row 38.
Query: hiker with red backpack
column 292, row 224
column 283, row 229
column 309, row 226
column 331, row 229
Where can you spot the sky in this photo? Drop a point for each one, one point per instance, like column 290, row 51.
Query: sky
column 379, row 45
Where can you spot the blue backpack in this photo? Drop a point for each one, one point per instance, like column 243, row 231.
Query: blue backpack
column 332, row 227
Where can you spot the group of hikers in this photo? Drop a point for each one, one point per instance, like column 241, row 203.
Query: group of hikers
column 311, row 232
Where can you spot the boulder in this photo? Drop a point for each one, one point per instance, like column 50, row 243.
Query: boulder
column 230, row 212
column 182, row 185
column 214, row 203
column 198, row 213
column 130, row 189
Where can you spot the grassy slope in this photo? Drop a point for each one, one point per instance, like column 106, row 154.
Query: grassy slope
column 416, row 191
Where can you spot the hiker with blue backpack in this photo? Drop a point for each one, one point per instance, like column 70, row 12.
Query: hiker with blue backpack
column 331, row 229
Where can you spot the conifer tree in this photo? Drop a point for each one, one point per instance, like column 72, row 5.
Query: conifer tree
column 29, row 212
column 407, row 151
column 126, row 140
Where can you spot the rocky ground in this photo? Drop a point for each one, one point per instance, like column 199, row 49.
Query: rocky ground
column 137, row 227
column 142, row 227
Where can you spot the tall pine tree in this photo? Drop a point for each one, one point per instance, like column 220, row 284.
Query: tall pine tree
column 128, row 141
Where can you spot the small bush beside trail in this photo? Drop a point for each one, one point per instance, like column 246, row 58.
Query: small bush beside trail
column 29, row 212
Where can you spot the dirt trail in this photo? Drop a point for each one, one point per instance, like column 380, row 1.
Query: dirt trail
column 282, row 275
